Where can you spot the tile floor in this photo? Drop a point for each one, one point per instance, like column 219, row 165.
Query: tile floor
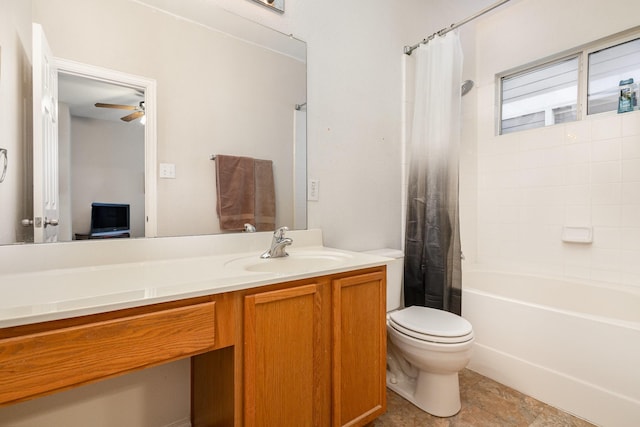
column 485, row 403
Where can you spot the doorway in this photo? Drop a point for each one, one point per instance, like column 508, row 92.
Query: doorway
column 107, row 153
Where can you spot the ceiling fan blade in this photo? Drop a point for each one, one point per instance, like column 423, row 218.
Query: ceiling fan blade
column 118, row 106
column 132, row 116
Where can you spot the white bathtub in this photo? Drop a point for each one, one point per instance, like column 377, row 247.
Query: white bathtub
column 573, row 345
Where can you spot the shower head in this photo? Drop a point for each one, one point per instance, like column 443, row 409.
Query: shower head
column 467, row 85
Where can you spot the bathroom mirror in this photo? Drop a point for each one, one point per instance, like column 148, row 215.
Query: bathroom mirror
column 225, row 85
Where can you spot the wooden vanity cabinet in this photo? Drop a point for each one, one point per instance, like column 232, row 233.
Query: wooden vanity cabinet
column 42, row 358
column 314, row 352
column 359, row 348
column 303, row 353
column 286, row 357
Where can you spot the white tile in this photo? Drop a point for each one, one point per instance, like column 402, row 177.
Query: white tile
column 631, row 124
column 578, row 215
column 544, row 196
column 500, row 161
column 553, row 156
column 631, row 170
column 539, row 177
column 630, row 239
column 549, row 136
column 576, row 174
column 578, row 132
column 631, row 147
column 606, row 150
column 508, row 214
column 508, row 143
column 630, row 216
column 606, row 128
column 602, row 172
column 534, row 216
column 631, row 193
column 576, row 255
column 605, row 259
column 607, row 237
column 606, row 194
column 629, row 263
column 577, row 153
column 502, row 197
column 606, row 215
column 576, row 194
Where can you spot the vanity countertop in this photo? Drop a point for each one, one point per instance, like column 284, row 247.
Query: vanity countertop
column 51, row 294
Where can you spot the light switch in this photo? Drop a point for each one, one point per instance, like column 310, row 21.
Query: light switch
column 167, row 170
column 313, row 190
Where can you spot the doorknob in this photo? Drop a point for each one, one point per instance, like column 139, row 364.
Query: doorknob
column 38, row 222
column 48, row 221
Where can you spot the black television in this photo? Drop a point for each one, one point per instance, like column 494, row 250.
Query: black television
column 109, row 219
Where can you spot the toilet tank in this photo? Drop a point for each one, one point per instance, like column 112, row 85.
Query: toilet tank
column 395, row 274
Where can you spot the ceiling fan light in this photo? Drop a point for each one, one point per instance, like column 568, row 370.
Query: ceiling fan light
column 143, row 120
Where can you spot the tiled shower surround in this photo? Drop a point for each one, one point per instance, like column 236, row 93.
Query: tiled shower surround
column 530, row 184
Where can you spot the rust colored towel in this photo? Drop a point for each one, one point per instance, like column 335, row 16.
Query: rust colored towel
column 235, row 185
column 265, row 199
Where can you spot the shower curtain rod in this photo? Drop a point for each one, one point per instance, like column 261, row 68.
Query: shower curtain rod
column 442, row 32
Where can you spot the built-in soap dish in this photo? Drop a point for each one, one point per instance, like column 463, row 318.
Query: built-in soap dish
column 577, row 234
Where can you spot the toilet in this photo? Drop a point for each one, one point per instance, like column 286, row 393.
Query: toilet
column 426, row 347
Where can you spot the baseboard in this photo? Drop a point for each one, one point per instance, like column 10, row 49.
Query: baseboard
column 185, row 422
column 584, row 400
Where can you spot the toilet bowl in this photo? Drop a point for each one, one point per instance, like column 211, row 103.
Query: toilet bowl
column 423, row 365
column 426, row 348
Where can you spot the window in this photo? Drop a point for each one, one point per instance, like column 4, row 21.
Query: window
column 548, row 94
column 540, row 96
column 607, row 67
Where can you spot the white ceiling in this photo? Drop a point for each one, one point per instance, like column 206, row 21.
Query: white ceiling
column 81, row 94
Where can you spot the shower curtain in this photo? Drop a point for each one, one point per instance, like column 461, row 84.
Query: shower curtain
column 432, row 271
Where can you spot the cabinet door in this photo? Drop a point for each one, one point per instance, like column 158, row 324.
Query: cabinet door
column 359, row 348
column 284, row 380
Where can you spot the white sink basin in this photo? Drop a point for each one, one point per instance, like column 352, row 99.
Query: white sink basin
column 302, row 262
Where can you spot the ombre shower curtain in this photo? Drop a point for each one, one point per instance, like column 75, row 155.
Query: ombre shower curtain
column 432, row 271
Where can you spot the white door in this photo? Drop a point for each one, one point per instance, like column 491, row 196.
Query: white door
column 45, row 140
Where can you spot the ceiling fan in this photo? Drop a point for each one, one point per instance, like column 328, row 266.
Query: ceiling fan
column 138, row 110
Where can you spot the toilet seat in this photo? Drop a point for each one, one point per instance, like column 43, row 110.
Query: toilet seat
column 431, row 325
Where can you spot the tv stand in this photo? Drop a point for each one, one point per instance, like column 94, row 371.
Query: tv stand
column 119, row 235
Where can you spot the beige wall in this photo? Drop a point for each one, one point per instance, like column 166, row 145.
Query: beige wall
column 107, row 165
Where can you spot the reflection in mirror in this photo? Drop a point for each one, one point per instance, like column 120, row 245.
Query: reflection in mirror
column 216, row 94
column 92, row 139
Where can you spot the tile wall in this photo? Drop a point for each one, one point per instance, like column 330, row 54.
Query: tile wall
column 530, row 184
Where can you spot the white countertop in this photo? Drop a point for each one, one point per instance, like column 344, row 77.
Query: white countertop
column 50, row 294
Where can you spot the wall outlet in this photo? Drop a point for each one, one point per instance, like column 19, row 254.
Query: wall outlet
column 313, row 190
column 167, row 170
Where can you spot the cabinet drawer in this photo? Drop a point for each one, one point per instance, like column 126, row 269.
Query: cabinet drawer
column 35, row 364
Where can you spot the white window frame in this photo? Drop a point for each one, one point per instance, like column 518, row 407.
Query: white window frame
column 582, row 53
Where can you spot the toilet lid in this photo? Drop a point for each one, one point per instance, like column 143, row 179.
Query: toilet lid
column 427, row 323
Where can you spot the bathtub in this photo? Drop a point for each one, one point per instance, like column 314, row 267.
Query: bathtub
column 573, row 345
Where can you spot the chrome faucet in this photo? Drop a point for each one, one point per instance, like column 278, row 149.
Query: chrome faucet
column 278, row 244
